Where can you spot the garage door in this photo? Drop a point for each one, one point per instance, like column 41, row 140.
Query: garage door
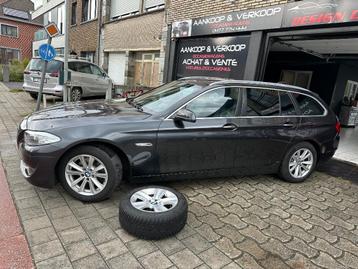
column 116, row 67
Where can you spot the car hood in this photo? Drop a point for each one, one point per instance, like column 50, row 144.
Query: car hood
column 83, row 113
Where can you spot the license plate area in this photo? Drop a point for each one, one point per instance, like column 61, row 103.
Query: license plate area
column 38, row 80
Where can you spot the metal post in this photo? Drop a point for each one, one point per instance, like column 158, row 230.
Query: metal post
column 43, row 74
column 65, row 62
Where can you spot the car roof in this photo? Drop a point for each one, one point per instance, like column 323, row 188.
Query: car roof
column 210, row 81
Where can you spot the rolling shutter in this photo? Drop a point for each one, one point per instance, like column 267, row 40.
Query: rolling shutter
column 120, row 8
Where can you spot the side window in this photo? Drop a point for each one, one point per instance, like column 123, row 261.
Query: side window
column 219, row 103
column 308, row 106
column 84, row 68
column 72, row 66
column 261, row 102
column 95, row 70
column 287, row 107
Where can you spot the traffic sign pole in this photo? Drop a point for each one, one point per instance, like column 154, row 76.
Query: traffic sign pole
column 43, row 74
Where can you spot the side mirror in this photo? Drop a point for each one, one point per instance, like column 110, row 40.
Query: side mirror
column 185, row 115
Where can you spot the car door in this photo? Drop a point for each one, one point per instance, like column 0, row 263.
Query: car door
column 267, row 126
column 102, row 80
column 85, row 79
column 203, row 145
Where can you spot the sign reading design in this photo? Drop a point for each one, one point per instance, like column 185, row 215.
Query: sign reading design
column 256, row 19
column 223, row 57
column 320, row 12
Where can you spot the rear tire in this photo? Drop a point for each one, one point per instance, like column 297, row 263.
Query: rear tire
column 105, row 170
column 33, row 95
column 76, row 94
column 299, row 163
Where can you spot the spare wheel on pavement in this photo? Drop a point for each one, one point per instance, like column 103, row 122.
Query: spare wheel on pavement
column 153, row 212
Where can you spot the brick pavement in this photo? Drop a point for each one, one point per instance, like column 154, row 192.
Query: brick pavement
column 247, row 222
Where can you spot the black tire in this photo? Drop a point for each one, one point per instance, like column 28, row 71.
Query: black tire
column 76, row 94
column 284, row 170
column 109, row 159
column 150, row 225
column 33, row 95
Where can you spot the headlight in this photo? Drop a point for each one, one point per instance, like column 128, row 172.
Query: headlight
column 33, row 138
column 23, row 124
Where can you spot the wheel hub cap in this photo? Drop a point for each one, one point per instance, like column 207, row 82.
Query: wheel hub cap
column 154, row 200
column 301, row 163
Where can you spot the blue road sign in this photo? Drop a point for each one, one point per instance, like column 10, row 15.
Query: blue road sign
column 47, row 52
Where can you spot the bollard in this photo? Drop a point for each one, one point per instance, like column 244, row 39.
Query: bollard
column 6, row 73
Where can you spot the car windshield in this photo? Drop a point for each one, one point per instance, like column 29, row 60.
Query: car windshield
column 162, row 98
column 37, row 64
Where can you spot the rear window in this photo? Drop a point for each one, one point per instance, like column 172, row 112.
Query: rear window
column 308, row 106
column 52, row 67
column 262, row 102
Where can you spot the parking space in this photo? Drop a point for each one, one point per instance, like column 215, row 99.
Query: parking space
column 247, row 222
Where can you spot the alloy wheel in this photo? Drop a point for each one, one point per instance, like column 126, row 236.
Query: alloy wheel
column 155, row 200
column 76, row 95
column 301, row 163
column 86, row 175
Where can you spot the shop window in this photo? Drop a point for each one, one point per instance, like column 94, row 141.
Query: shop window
column 262, row 102
column 308, row 106
column 74, row 13
column 89, row 10
column 297, row 78
column 147, row 70
column 7, row 55
column 9, row 30
column 219, row 103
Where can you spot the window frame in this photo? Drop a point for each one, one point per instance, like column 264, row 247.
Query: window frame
column 15, row 49
column 88, row 12
column 243, row 99
column 9, row 25
column 74, row 14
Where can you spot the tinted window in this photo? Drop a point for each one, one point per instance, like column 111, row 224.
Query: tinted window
column 307, row 105
column 84, row 68
column 262, row 102
column 37, row 64
column 72, row 66
column 217, row 103
column 96, row 70
column 287, row 107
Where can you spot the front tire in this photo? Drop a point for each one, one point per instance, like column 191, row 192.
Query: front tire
column 90, row 174
column 76, row 94
column 33, row 95
column 299, row 163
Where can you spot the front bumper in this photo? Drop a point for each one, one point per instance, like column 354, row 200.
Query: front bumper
column 38, row 167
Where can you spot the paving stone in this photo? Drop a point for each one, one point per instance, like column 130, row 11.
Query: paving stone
column 275, row 232
column 241, row 201
column 155, row 260
column 324, row 246
column 301, row 262
column 339, row 232
column 221, row 200
column 197, row 209
column 326, row 261
column 47, row 250
column 257, row 210
column 295, row 220
column 125, row 236
column 101, row 235
column 41, row 236
column 80, row 250
column 299, row 245
column 349, row 261
column 170, row 246
column 193, row 221
column 113, row 223
column 36, row 224
column 212, row 220
column 54, row 203
column 300, row 233
column 61, row 261
column 214, row 258
column 347, row 245
column 250, row 246
column 201, row 199
column 241, row 212
column 59, row 212
column 235, row 221
column 339, row 222
column 275, row 247
column 185, row 259
column 90, row 262
column 230, row 232
column 217, row 210
column 278, row 202
column 28, row 203
column 255, row 220
column 228, row 248
column 247, row 261
column 322, row 233
column 72, row 235
column 84, row 212
column 65, row 223
column 318, row 212
column 273, row 261
column 141, row 247
column 208, row 233
column 31, row 212
column 254, row 233
column 108, row 212
column 93, row 223
column 277, row 221
column 19, row 195
column 196, row 243
column 124, row 261
column 112, row 249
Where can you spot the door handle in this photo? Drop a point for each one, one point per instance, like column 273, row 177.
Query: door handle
column 230, row 127
column 288, row 124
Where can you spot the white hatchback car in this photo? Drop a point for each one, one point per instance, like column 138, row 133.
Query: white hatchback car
column 87, row 79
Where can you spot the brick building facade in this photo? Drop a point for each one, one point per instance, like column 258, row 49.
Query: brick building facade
column 16, row 30
column 84, row 29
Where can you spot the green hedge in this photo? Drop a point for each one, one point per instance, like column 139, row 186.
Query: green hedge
column 16, row 70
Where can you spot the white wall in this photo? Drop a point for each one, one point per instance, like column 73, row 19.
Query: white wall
column 57, row 42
